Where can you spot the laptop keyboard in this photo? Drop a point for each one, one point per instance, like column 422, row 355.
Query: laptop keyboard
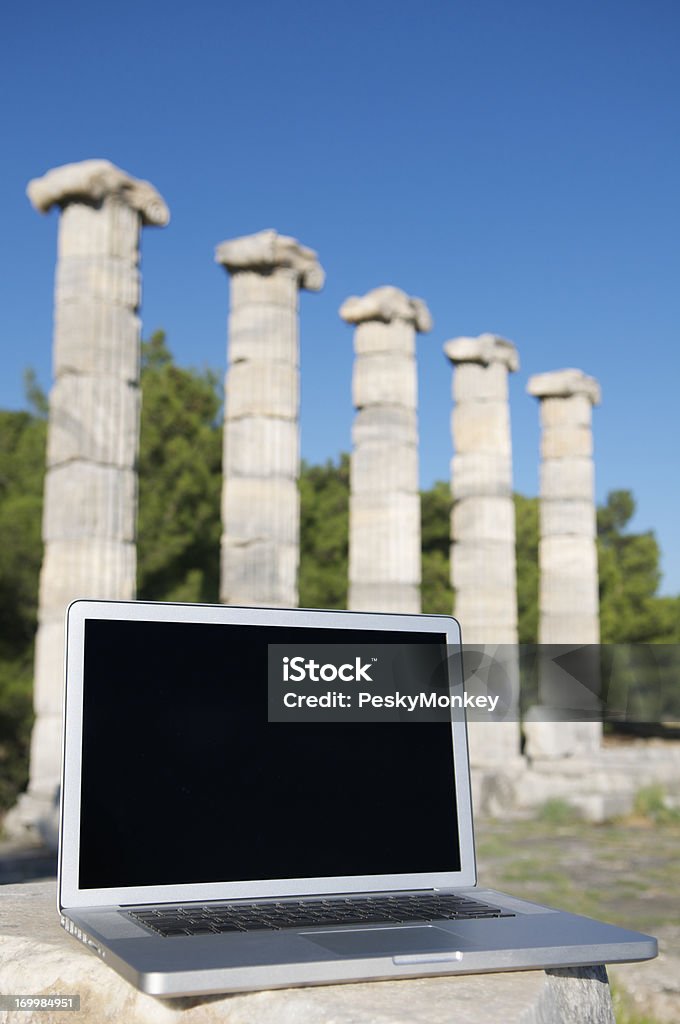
column 215, row 919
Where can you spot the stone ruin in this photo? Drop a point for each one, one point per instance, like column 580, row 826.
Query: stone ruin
column 91, row 485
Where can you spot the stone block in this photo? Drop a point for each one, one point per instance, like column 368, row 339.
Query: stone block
column 263, row 333
column 384, row 468
column 269, row 252
column 93, row 568
column 260, row 510
column 574, row 411
column 39, row 957
column 99, row 279
column 260, row 446
column 476, row 382
column 598, row 807
column 262, row 389
column 567, row 558
column 481, row 427
column 565, row 595
column 485, row 349
column 96, row 339
column 373, row 337
column 496, row 744
column 265, row 287
column 385, row 538
column 553, row 740
column 484, row 608
column 479, row 519
column 100, row 185
column 564, row 384
column 87, row 231
column 558, row 518
column 493, row 561
column 482, row 629
column 46, row 751
column 48, row 685
column 385, row 423
column 571, row 479
column 479, row 474
column 575, row 627
column 384, row 597
column 565, row 442
column 386, row 304
column 86, row 501
column 95, row 418
column 384, row 380
column 259, row 572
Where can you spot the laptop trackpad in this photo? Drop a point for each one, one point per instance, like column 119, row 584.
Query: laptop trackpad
column 387, row 941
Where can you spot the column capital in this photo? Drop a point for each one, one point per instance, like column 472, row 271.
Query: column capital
column 387, row 304
column 95, row 180
column 564, row 384
column 484, row 349
column 267, row 250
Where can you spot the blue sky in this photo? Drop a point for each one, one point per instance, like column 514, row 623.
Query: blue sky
column 516, row 164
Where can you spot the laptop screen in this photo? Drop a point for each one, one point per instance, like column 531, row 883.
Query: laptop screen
column 184, row 779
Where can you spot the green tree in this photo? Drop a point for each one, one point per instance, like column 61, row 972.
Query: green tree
column 180, row 467
column 630, row 609
column 324, row 518
column 526, row 548
column 436, row 591
column 22, row 467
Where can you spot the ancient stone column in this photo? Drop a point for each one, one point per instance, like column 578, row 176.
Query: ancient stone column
column 568, row 588
column 384, row 512
column 483, row 561
column 260, row 501
column 90, row 501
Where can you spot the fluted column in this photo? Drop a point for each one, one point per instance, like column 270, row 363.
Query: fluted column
column 568, row 588
column 483, row 560
column 90, row 504
column 384, row 516
column 260, row 549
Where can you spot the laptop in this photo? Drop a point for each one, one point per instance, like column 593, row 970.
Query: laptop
column 211, row 844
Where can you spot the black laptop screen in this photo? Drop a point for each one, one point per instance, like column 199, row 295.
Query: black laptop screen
column 184, row 780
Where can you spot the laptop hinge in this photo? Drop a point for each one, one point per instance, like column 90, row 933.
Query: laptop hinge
column 292, row 896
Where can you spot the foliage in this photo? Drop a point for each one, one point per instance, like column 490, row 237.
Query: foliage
column 526, row 548
column 324, row 519
column 16, row 721
column 22, row 467
column 180, row 466
column 630, row 611
column 556, row 812
column 651, row 802
column 436, row 591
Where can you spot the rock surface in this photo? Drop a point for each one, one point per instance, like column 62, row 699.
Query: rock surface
column 38, row 957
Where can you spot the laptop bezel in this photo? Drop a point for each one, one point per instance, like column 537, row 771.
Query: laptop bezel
column 70, row 893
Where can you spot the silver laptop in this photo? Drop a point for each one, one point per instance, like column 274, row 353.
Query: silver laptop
column 209, row 843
